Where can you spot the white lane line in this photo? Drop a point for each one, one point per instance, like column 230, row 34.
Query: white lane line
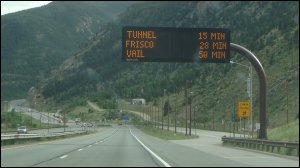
column 246, row 157
column 152, row 153
column 63, row 156
column 96, row 143
column 80, row 149
column 209, row 135
column 89, row 146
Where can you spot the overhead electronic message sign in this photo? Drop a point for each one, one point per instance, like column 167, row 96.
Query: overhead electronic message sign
column 163, row 44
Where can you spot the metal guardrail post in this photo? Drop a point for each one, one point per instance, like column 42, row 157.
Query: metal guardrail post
column 262, row 86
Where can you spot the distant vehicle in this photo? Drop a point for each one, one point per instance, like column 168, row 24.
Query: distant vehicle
column 139, row 101
column 84, row 125
column 87, row 125
column 22, row 130
column 77, row 121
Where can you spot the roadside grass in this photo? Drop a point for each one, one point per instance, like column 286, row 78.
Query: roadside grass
column 164, row 134
column 78, row 112
column 289, row 132
column 86, row 114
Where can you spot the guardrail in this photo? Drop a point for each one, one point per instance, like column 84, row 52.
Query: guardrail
column 15, row 136
column 264, row 145
column 22, row 138
column 30, row 129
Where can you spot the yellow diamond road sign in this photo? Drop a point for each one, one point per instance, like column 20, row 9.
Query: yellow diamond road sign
column 244, row 110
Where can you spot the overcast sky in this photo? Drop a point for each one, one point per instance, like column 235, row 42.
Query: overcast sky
column 14, row 6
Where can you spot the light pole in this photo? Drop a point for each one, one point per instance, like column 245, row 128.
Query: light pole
column 48, row 121
column 186, row 106
column 5, row 111
column 163, row 110
column 20, row 113
column 168, row 111
column 187, row 102
column 195, row 107
column 250, row 91
column 31, row 116
column 191, row 112
column 176, row 108
column 157, row 113
column 40, row 120
column 64, row 120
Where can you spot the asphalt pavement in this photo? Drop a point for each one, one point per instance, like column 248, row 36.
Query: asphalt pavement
column 126, row 146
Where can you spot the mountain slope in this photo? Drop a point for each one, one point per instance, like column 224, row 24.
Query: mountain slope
column 37, row 40
column 97, row 73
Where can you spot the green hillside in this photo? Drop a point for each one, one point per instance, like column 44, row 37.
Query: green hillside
column 35, row 41
column 289, row 132
column 97, row 73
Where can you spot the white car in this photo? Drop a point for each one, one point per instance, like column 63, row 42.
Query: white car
column 22, row 130
column 84, row 125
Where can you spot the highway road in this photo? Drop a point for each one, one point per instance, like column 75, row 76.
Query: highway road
column 22, row 106
column 126, row 146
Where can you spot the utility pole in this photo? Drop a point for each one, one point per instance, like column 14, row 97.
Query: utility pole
column 176, row 108
column 158, row 114
column 151, row 117
column 64, row 121
column 186, row 106
column 163, row 111
column 249, row 90
column 155, row 112
column 195, row 117
column 40, row 120
column 30, row 115
column 143, row 115
column 190, row 113
column 233, row 118
column 287, row 101
column 213, row 116
column 148, row 115
column 6, row 113
column 48, row 120
column 168, row 111
column 154, row 115
column 251, row 99
column 20, row 117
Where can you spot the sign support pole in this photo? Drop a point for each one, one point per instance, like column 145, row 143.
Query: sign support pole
column 262, row 86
